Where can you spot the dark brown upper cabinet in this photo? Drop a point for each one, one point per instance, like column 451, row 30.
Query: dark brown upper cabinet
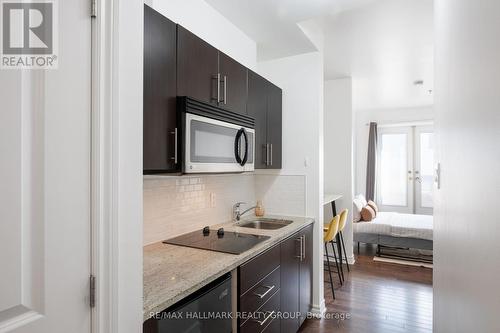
column 160, row 124
column 209, row 75
column 234, row 87
column 274, row 126
column 197, row 68
column 265, row 105
column 257, row 108
column 178, row 63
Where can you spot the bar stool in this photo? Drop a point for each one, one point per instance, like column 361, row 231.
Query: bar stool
column 342, row 224
column 329, row 234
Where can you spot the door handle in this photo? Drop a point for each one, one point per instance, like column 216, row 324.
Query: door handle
column 437, row 179
column 418, row 179
column 175, row 133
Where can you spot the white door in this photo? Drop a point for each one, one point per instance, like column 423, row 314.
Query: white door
column 45, row 186
column 424, row 169
column 406, row 169
column 395, row 169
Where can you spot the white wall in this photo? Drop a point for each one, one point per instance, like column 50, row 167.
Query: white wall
column 301, row 78
column 204, row 21
column 338, row 150
column 467, row 103
column 361, row 131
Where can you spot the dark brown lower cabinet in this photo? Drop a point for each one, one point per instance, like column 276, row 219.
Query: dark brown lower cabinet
column 296, row 278
column 279, row 281
column 290, row 270
column 306, row 273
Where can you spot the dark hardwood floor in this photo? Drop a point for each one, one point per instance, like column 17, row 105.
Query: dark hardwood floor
column 377, row 297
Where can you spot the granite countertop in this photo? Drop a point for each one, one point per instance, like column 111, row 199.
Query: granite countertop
column 173, row 272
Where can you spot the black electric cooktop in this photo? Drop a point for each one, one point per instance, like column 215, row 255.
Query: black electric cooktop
column 218, row 240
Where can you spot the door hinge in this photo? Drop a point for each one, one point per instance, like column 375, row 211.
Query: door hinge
column 93, row 8
column 92, row 291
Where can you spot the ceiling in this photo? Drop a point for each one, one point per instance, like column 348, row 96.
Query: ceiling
column 384, row 45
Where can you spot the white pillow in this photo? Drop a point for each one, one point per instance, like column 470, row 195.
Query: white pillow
column 357, row 206
column 362, row 198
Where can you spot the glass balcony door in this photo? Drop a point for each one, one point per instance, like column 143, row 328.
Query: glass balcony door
column 405, row 169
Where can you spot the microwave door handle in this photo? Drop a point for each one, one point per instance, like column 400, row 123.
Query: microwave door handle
column 237, row 146
column 245, row 158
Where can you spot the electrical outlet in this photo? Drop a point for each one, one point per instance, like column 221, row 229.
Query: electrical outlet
column 213, row 201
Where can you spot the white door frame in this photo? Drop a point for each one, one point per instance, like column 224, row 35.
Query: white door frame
column 116, row 188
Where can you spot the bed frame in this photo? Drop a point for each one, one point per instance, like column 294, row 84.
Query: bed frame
column 383, row 241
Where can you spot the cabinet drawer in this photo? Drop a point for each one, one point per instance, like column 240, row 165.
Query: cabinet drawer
column 261, row 292
column 264, row 317
column 256, row 269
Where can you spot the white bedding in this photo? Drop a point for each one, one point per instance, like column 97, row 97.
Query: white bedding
column 398, row 225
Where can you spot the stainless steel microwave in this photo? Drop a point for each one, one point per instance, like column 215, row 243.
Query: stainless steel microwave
column 217, row 141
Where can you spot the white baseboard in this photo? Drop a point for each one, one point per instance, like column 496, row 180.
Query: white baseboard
column 350, row 260
column 319, row 310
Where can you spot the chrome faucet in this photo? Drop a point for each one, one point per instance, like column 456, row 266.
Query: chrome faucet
column 236, row 211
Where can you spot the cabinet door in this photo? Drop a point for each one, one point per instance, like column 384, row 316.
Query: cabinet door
column 233, row 84
column 306, row 273
column 159, row 106
column 257, row 108
column 197, row 65
column 274, row 126
column 290, row 269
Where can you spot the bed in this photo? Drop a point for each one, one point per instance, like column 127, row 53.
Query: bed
column 396, row 230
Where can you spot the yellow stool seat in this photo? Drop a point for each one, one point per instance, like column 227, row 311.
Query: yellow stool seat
column 331, row 230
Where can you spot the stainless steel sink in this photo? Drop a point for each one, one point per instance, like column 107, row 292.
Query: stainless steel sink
column 265, row 223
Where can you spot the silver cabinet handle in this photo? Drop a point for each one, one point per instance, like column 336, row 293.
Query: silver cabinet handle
column 271, row 154
column 303, row 247
column 299, row 240
column 225, row 89
column 267, row 291
column 269, row 315
column 266, row 146
column 268, row 155
column 175, row 133
column 217, row 78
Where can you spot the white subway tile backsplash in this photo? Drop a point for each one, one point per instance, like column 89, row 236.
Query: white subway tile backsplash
column 282, row 194
column 180, row 204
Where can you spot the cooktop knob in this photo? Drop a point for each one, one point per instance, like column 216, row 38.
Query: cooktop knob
column 206, row 230
column 220, row 232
